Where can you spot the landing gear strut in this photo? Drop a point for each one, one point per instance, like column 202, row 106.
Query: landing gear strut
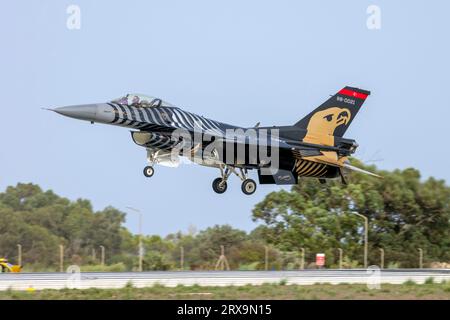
column 220, row 184
column 151, row 158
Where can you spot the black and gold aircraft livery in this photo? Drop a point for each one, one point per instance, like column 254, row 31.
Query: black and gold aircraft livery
column 313, row 147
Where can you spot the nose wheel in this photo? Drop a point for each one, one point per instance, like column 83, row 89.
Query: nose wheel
column 149, row 171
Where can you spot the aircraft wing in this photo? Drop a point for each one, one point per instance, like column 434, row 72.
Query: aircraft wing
column 317, row 153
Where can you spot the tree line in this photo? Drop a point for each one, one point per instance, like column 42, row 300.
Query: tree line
column 405, row 213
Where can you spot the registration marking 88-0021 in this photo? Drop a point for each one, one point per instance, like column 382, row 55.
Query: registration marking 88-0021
column 346, row 100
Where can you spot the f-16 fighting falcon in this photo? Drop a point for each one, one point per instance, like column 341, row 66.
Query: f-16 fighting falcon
column 313, row 147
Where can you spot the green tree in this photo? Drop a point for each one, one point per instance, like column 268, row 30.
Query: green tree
column 41, row 221
column 404, row 214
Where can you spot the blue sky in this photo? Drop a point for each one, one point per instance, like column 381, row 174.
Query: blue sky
column 239, row 62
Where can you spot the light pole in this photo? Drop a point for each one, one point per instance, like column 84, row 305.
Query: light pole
column 340, row 258
column 141, row 253
column 302, row 261
column 102, row 248
column 366, row 235
column 61, row 258
column 19, row 254
column 266, row 258
column 382, row 258
column 182, row 258
column 420, row 258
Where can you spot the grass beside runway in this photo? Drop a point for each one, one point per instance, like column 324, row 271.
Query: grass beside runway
column 408, row 290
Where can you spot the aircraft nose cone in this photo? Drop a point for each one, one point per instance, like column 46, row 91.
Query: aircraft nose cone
column 82, row 112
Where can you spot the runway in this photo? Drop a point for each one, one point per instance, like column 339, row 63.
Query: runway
column 84, row 280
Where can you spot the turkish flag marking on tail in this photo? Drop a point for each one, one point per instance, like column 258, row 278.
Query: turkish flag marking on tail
column 354, row 94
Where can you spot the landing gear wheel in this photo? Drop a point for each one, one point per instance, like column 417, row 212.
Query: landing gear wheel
column 219, row 185
column 248, row 186
column 149, row 171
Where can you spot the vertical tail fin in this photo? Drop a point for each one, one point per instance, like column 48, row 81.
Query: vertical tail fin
column 336, row 114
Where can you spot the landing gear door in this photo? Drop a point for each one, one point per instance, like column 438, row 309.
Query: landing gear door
column 282, row 177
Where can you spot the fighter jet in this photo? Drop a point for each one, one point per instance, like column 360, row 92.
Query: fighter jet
column 314, row 147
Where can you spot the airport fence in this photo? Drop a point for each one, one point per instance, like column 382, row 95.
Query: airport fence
column 268, row 258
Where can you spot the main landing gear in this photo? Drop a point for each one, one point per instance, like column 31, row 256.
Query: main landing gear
column 220, row 184
column 248, row 186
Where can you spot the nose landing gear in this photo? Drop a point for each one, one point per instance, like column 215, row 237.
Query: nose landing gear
column 151, row 158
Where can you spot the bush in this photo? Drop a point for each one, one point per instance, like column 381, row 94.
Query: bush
column 429, row 280
column 249, row 266
column 393, row 265
column 117, row 267
column 347, row 263
column 154, row 260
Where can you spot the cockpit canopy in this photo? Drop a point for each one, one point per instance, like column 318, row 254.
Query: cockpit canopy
column 143, row 101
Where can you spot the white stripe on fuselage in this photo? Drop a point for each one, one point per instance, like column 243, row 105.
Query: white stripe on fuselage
column 180, row 119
